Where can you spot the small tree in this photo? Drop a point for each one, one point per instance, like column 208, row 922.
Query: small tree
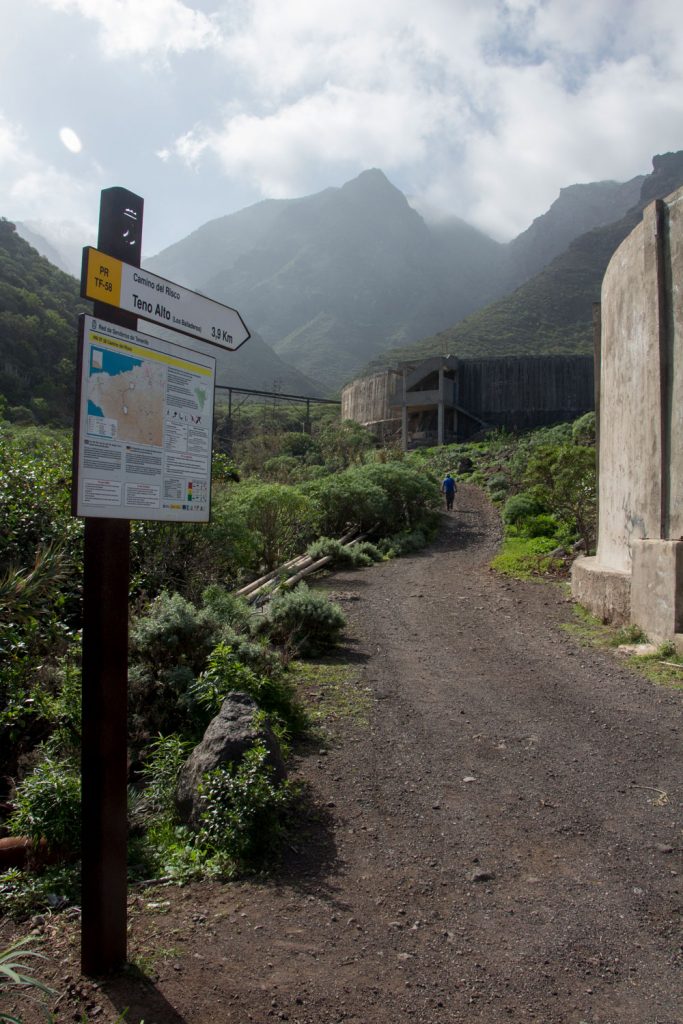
column 563, row 479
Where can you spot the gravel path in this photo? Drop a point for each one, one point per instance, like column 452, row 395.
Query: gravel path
column 501, row 842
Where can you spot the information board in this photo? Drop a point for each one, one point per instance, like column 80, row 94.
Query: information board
column 142, row 448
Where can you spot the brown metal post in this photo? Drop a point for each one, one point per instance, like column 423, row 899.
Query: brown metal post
column 105, row 672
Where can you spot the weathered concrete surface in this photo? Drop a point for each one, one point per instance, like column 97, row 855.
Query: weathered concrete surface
column 606, row 592
column 630, row 424
column 641, row 431
column 657, row 587
column 518, row 392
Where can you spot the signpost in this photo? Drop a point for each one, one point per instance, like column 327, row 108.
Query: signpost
column 109, row 280
column 142, row 450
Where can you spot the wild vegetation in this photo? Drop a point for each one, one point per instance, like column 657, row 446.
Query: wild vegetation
column 192, row 642
column 279, row 492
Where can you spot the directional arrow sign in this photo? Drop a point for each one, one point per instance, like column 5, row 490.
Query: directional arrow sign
column 106, row 279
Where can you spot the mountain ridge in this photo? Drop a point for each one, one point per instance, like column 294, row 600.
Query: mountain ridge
column 552, row 313
column 336, row 278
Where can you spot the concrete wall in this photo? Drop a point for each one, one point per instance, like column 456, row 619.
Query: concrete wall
column 366, row 400
column 637, row 573
column 630, row 421
column 527, row 391
column 516, row 392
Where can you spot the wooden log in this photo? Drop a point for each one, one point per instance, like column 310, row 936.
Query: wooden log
column 293, row 563
column 247, row 589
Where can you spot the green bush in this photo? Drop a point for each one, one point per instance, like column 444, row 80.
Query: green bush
column 228, row 609
column 48, row 805
column 498, row 482
column 542, row 525
column 406, row 543
column 356, row 555
column 174, row 632
column 304, row 622
column 169, row 647
column 413, row 499
column 282, row 520
column 166, row 756
column 274, row 694
column 188, row 557
column 563, row 479
column 242, row 821
column 584, row 429
column 348, row 500
column 520, row 507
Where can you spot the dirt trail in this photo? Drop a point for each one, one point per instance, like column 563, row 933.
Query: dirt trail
column 502, row 842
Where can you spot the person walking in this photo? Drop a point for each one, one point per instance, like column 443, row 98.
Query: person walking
column 448, row 489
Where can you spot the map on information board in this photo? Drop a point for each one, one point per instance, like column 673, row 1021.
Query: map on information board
column 143, row 448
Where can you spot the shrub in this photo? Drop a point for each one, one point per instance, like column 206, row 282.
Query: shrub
column 304, row 622
column 563, row 480
column 520, row 507
column 403, row 544
column 48, row 805
column 242, row 821
column 413, row 498
column 169, row 647
column 361, row 554
column 274, row 694
column 161, row 767
column 227, row 608
column 187, row 557
column 348, row 499
column 498, row 482
column 281, row 520
column 583, row 429
column 174, row 632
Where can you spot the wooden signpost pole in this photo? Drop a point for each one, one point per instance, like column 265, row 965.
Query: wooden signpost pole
column 105, row 671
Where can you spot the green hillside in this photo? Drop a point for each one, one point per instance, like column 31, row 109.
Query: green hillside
column 39, row 306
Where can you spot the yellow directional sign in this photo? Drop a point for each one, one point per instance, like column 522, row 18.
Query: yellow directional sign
column 106, row 279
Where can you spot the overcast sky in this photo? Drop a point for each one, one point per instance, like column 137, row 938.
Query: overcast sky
column 479, row 108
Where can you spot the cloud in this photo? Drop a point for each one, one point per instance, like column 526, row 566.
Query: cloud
column 286, row 150
column 130, row 28
column 483, row 108
column 10, row 142
column 486, row 109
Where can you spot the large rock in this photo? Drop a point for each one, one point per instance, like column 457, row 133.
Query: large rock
column 227, row 738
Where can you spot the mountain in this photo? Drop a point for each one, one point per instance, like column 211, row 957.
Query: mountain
column 332, row 279
column 579, row 208
column 41, row 245
column 553, row 312
column 39, row 307
column 61, row 242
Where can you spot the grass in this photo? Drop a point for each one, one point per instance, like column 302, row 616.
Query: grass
column 663, row 667
column 526, row 558
column 331, row 692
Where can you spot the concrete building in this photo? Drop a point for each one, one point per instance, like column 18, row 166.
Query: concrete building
column 636, row 575
column 443, row 399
